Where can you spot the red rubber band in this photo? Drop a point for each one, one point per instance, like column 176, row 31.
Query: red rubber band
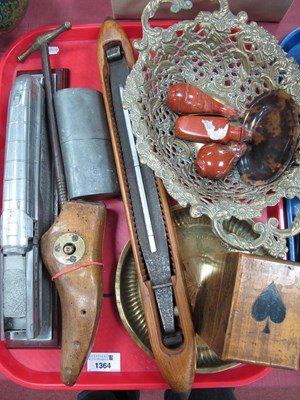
column 74, row 268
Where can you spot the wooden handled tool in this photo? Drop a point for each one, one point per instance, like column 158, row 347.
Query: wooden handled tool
column 72, row 247
column 174, row 353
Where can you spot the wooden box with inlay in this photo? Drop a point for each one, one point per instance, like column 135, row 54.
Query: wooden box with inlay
column 249, row 311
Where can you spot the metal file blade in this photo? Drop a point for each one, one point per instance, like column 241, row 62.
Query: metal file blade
column 145, row 202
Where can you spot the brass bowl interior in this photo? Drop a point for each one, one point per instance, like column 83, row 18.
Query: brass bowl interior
column 202, row 253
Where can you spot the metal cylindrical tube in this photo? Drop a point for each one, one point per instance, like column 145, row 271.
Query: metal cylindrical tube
column 85, row 143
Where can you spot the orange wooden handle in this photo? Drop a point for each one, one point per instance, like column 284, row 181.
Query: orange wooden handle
column 210, row 128
column 184, row 98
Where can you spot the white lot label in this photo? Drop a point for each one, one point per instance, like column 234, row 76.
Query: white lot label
column 53, row 49
column 104, row 362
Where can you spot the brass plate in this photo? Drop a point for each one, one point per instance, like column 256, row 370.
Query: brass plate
column 201, row 252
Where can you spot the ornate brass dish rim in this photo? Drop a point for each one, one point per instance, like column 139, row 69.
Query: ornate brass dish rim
column 253, row 61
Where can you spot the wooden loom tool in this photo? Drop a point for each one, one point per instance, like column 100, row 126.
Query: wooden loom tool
column 154, row 247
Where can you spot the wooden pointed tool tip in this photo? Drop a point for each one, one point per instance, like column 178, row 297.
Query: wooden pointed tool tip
column 68, row 376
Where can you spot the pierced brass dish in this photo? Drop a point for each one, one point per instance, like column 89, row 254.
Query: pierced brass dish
column 202, row 252
column 233, row 61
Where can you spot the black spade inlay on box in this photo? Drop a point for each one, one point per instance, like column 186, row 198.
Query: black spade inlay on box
column 269, row 306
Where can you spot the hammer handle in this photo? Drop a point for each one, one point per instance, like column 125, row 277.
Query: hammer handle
column 41, row 44
column 52, row 125
column 44, row 39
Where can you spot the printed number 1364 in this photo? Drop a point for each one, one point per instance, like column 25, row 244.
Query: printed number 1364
column 102, row 365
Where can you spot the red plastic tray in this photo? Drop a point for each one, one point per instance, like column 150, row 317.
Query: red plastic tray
column 39, row 368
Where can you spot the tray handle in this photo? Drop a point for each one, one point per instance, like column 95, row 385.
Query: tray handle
column 270, row 236
column 150, row 11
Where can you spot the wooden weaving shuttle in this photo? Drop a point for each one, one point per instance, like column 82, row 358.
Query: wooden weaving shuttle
column 174, row 350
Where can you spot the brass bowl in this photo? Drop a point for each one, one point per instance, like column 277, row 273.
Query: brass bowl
column 202, row 252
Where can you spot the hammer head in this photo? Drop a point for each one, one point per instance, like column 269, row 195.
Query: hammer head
column 44, row 39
